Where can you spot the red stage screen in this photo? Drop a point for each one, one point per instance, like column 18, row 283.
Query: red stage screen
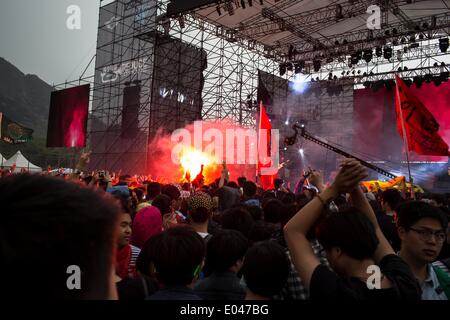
column 68, row 117
column 374, row 125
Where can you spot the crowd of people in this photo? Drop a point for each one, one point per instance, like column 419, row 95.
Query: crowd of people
column 227, row 240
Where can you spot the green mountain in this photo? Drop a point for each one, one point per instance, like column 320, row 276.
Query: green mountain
column 26, row 99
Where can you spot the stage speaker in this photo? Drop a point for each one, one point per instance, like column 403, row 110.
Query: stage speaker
column 130, row 112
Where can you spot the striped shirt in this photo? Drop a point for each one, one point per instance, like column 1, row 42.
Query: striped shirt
column 132, row 265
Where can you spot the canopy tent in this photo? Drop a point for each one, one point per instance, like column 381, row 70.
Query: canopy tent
column 21, row 163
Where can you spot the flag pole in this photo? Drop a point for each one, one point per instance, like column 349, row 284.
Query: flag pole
column 405, row 137
column 257, row 180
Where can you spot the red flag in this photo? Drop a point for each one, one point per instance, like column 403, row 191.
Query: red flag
column 264, row 144
column 420, row 127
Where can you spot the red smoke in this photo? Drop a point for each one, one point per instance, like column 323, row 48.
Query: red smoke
column 161, row 166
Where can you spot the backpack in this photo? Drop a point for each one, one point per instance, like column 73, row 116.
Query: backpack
column 443, row 277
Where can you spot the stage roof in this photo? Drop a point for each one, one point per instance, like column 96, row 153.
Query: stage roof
column 309, row 25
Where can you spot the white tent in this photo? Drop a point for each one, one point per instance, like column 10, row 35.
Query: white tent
column 21, row 162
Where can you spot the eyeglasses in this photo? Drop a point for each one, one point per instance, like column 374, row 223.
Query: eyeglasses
column 426, row 235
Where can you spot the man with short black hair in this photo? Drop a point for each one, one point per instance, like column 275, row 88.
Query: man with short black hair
column 53, row 233
column 422, row 230
column 249, row 194
column 153, row 190
column 178, row 263
column 224, row 257
column 265, row 270
column 391, row 199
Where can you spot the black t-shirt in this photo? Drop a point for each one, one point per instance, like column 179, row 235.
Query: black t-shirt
column 326, row 284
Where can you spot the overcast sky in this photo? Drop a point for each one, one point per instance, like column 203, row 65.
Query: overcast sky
column 34, row 37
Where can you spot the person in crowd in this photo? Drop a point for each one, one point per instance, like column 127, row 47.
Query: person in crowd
column 153, row 190
column 354, row 245
column 273, row 209
column 175, row 196
column 50, row 228
column 140, row 199
column 241, row 181
column 199, row 213
column 261, row 231
column 390, row 200
column 126, row 253
column 178, row 260
column 237, row 219
column 249, row 194
column 387, row 225
column 146, row 223
column 265, row 270
column 295, row 288
column 255, row 211
column 164, row 204
column 422, row 230
column 224, row 257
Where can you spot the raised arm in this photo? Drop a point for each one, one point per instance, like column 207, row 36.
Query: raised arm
column 360, row 201
column 296, row 229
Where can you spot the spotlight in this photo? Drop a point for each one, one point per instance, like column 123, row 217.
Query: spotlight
column 412, row 39
column 317, row 65
column 377, row 85
column 421, row 36
column 354, row 59
column 261, row 2
column 290, row 66
column 378, row 52
column 330, row 76
column 243, row 4
column 443, row 44
column 437, row 81
column 345, row 42
column 444, row 76
column 387, row 53
column 291, row 52
column 394, row 31
column 219, row 12
column 367, row 84
column 282, row 69
column 408, row 82
column 400, row 69
column 428, row 78
column 418, row 81
column 250, row 3
column 389, row 84
column 368, row 55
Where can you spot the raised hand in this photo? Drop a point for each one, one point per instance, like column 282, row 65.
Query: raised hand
column 349, row 176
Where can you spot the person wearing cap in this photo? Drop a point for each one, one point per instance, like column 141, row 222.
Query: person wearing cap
column 200, row 207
